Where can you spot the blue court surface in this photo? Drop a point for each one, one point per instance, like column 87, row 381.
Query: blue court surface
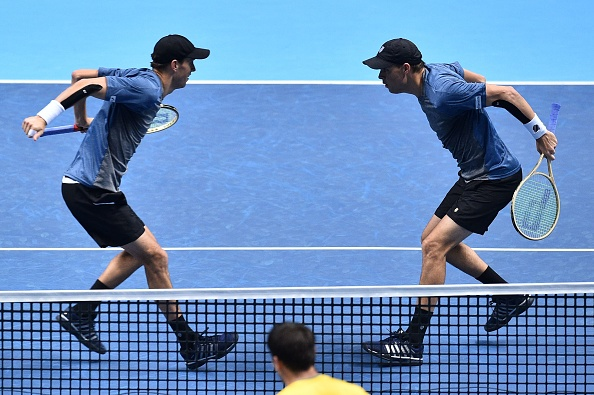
column 291, row 166
column 258, row 179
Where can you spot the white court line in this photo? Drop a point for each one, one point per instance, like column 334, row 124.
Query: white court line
column 371, row 82
column 308, row 82
column 286, row 248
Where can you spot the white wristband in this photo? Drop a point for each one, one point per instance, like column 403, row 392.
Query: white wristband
column 536, row 128
column 51, row 111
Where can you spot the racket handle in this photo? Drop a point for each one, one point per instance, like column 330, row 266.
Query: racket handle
column 553, row 117
column 57, row 130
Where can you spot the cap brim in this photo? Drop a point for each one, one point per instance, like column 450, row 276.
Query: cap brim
column 199, row 53
column 377, row 63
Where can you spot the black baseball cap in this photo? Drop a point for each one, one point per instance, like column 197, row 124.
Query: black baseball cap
column 177, row 47
column 395, row 51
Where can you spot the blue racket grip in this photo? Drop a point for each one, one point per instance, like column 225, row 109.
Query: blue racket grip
column 57, row 130
column 553, row 118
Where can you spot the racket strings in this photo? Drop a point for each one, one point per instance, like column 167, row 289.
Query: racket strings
column 166, row 117
column 536, row 206
column 163, row 117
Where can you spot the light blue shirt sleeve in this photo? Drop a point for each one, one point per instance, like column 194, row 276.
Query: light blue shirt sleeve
column 131, row 87
column 452, row 95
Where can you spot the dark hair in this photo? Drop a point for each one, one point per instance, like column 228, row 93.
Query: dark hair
column 158, row 66
column 294, row 345
column 417, row 67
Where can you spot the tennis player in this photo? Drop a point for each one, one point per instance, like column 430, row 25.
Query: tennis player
column 91, row 185
column 293, row 354
column 454, row 101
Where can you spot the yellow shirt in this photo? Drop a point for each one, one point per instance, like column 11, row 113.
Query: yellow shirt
column 322, row 385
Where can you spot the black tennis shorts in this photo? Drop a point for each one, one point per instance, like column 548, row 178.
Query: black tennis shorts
column 474, row 205
column 105, row 215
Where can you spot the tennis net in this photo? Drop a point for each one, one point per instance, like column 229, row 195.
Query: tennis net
column 547, row 350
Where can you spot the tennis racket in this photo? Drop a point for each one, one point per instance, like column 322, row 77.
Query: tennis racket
column 166, row 117
column 535, row 205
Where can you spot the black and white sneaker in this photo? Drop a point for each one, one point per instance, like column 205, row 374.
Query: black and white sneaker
column 208, row 347
column 506, row 308
column 83, row 328
column 396, row 349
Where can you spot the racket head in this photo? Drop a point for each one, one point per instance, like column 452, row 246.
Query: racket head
column 535, row 206
column 166, row 117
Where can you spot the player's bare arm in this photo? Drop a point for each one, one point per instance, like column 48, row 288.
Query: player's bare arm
column 80, row 107
column 71, row 96
column 508, row 98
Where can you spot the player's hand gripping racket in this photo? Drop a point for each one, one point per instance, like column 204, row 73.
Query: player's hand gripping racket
column 166, row 117
column 535, row 205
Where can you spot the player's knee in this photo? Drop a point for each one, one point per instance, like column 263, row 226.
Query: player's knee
column 157, row 259
column 431, row 247
column 161, row 256
column 424, row 236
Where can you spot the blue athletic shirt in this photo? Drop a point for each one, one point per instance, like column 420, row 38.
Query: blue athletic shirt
column 456, row 112
column 131, row 102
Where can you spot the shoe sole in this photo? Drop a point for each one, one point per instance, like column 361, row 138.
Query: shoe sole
column 519, row 310
column 196, row 364
column 388, row 360
column 67, row 325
